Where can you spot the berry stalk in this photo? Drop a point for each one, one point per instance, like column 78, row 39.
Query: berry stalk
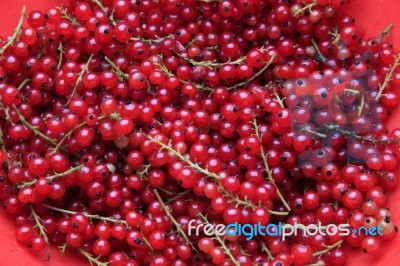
column 17, row 32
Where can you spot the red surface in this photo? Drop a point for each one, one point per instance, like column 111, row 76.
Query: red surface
column 373, row 15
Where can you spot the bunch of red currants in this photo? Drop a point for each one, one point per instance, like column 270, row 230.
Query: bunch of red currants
column 124, row 120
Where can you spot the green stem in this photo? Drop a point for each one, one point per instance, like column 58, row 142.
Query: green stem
column 91, row 259
column 303, row 9
column 52, row 177
column 179, row 195
column 266, row 166
column 150, row 41
column 37, row 132
column 17, row 31
column 221, row 242
column 177, row 225
column 388, row 77
column 319, row 134
column 3, row 146
column 23, row 83
column 361, row 106
column 328, row 248
column 100, row 5
column 246, row 82
column 321, row 56
column 65, row 15
column 184, row 159
column 90, row 216
column 209, row 174
column 121, row 75
column 385, row 32
column 38, row 221
column 279, row 100
column 266, row 250
column 61, row 50
column 209, row 63
column 80, row 76
column 362, row 138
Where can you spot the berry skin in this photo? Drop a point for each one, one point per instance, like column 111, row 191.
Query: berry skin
column 125, row 123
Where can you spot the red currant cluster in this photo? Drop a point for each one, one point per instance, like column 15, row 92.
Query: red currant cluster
column 122, row 121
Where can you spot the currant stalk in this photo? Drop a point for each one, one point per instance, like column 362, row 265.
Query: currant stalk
column 100, row 5
column 265, row 249
column 362, row 138
column 17, row 32
column 246, row 82
column 328, row 248
column 385, row 33
column 320, row 55
column 143, row 175
column 337, row 39
column 279, row 99
column 3, row 146
column 150, row 41
column 198, row 168
column 266, row 166
column 121, row 75
column 52, row 177
column 171, row 217
column 388, row 77
column 91, row 259
column 39, row 225
column 69, row 133
column 361, row 106
column 65, row 15
column 304, row 9
column 209, row 63
column 37, row 132
column 247, row 203
column 61, row 50
column 90, row 216
column 195, row 166
column 80, row 76
column 23, row 83
column 221, row 242
column 179, row 195
column 316, row 133
column 168, row 73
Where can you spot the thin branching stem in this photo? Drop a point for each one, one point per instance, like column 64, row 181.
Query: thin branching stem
column 39, row 225
column 80, row 76
column 256, row 75
column 37, row 132
column 52, row 177
column 90, row 216
column 209, row 63
column 328, row 248
column 64, row 11
column 23, row 83
column 121, row 75
column 177, row 225
column 92, row 259
column 388, row 77
column 221, row 242
column 304, row 9
column 17, row 32
column 266, row 166
column 214, row 176
column 385, row 32
column 320, row 55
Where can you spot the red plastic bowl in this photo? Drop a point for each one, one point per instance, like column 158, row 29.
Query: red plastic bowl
column 372, row 15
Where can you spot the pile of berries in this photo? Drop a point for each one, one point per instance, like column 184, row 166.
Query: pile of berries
column 122, row 121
